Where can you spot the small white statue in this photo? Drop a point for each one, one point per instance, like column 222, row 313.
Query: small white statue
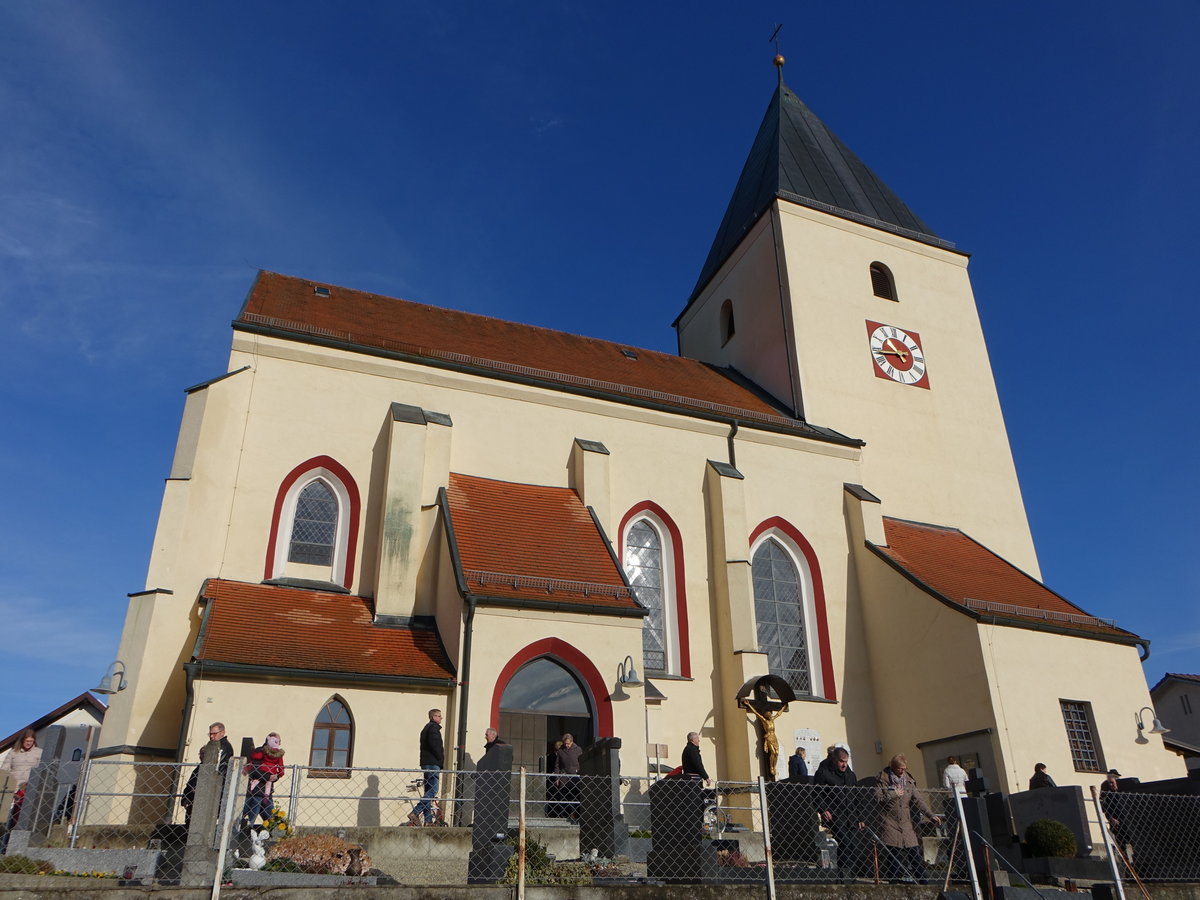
column 258, row 853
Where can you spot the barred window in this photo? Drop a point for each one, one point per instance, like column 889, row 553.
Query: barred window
column 1081, row 736
column 314, row 527
column 779, row 615
column 644, row 569
column 332, row 740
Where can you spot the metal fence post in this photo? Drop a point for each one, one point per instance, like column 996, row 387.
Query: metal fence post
column 81, row 798
column 1108, row 844
column 227, row 820
column 766, row 827
column 966, row 838
column 294, row 795
column 521, row 838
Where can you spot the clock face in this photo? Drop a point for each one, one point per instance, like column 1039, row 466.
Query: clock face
column 897, row 355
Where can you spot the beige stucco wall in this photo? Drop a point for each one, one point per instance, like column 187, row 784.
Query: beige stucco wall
column 1030, row 672
column 387, row 721
column 939, row 455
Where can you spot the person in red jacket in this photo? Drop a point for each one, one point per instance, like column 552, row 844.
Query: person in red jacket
column 265, row 767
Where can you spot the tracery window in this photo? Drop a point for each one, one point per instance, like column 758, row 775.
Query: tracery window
column 314, row 526
column 779, row 615
column 644, row 569
column 652, row 557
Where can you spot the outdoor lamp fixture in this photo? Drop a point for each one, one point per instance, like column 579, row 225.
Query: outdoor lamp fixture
column 627, row 675
column 106, row 685
column 1156, row 728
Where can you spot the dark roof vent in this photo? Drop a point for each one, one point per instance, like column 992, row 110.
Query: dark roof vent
column 321, row 291
column 629, row 354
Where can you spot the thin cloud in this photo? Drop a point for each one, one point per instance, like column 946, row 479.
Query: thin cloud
column 36, row 629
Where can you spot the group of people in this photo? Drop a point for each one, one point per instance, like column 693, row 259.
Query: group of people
column 264, row 767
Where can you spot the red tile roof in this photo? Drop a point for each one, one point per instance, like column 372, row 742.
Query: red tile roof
column 960, row 569
column 293, row 628
column 533, row 543
column 281, row 303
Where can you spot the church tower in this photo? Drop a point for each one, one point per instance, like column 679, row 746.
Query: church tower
column 826, row 290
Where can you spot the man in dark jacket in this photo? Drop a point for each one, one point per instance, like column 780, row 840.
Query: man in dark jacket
column 1041, row 778
column 219, row 745
column 841, row 806
column 432, row 758
column 692, row 764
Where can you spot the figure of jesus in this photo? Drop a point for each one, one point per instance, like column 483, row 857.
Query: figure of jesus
column 770, row 739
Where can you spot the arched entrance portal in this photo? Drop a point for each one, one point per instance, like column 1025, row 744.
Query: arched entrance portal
column 541, row 702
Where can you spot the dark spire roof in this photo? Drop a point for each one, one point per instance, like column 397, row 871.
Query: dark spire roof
column 796, row 157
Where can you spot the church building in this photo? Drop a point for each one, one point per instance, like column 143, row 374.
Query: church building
column 383, row 507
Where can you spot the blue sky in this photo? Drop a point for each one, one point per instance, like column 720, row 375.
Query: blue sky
column 567, row 164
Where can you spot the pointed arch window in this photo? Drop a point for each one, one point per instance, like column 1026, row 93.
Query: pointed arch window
column 789, row 609
column 314, row 526
column 652, row 556
column 332, row 752
column 883, row 285
column 779, row 615
column 644, row 568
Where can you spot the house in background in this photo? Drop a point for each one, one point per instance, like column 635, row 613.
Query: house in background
column 81, row 718
column 383, row 506
column 1177, row 705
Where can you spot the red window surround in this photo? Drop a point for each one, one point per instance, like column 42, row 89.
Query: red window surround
column 573, row 659
column 317, row 462
column 681, row 615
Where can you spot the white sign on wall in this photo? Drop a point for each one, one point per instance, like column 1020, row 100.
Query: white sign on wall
column 810, row 740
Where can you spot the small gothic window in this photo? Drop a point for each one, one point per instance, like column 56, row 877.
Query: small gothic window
column 882, row 283
column 727, row 324
column 314, row 527
column 644, row 568
column 332, row 737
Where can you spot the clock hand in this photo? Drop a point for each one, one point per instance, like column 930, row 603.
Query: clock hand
column 900, row 353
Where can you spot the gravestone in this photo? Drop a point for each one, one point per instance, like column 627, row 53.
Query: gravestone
column 793, row 817
column 1062, row 804
column 680, row 850
column 601, row 822
column 489, row 850
column 200, row 854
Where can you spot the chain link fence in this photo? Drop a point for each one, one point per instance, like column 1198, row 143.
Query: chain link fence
column 131, row 820
column 1155, row 837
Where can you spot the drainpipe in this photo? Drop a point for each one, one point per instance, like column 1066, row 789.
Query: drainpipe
column 464, row 692
column 733, row 430
column 185, row 719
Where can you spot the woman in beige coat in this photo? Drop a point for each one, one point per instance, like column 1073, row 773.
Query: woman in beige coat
column 896, row 793
column 20, row 762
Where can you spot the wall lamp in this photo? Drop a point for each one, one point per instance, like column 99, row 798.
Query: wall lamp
column 111, row 675
column 1156, row 727
column 627, row 675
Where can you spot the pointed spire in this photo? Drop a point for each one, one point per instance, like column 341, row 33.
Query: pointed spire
column 797, row 158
